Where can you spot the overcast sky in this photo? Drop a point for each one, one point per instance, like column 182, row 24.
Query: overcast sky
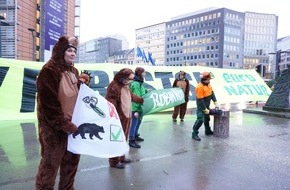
column 109, row 17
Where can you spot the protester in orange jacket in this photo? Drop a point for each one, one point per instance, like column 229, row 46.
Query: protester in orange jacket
column 204, row 95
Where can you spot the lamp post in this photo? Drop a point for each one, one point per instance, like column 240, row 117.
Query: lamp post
column 33, row 43
column 277, row 61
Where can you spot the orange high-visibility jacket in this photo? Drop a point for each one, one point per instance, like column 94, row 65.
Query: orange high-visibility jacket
column 204, row 94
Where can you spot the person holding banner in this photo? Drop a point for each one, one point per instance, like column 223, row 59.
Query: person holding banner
column 57, row 90
column 138, row 88
column 181, row 82
column 204, row 95
column 120, row 95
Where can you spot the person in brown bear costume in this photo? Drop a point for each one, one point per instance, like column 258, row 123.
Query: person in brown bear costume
column 120, row 95
column 181, row 82
column 57, row 89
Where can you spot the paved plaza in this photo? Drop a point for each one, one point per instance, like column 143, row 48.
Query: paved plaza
column 256, row 156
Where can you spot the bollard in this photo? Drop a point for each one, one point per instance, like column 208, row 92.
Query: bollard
column 221, row 125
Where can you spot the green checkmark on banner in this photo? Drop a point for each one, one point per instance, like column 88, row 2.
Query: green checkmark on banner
column 116, row 133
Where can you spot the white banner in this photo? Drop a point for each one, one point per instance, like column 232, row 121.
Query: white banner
column 18, row 84
column 100, row 132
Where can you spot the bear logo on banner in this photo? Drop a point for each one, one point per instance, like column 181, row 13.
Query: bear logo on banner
column 96, row 117
column 90, row 128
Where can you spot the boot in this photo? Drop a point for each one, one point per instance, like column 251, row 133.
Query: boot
column 119, row 165
column 208, row 131
column 133, row 144
column 139, row 139
column 196, row 137
column 195, row 129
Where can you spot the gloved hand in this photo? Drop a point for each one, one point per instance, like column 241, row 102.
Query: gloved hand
column 142, row 101
column 216, row 104
column 85, row 78
column 206, row 111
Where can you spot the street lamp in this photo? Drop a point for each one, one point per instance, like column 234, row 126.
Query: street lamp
column 33, row 43
column 277, row 61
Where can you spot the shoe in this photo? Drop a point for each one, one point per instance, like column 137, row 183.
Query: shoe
column 118, row 166
column 181, row 120
column 139, row 139
column 196, row 137
column 133, row 144
column 126, row 161
column 174, row 120
column 209, row 133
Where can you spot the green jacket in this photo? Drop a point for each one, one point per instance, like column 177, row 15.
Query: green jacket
column 138, row 88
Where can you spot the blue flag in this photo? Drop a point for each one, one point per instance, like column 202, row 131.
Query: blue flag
column 139, row 52
column 151, row 60
column 144, row 58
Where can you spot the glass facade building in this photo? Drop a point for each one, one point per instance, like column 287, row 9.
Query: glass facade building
column 260, row 40
column 219, row 37
column 151, row 39
column 98, row 50
column 212, row 38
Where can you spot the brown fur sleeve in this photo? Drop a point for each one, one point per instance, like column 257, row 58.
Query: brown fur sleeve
column 187, row 88
column 113, row 93
column 186, row 95
column 136, row 99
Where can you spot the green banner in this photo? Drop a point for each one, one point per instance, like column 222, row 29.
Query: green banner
column 159, row 100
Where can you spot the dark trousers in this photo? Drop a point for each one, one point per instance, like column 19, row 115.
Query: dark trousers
column 201, row 119
column 135, row 125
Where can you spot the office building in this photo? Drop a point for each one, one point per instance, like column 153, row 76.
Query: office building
column 283, row 53
column 216, row 37
column 211, row 37
column 98, row 50
column 151, row 39
column 34, row 27
column 126, row 57
column 260, row 39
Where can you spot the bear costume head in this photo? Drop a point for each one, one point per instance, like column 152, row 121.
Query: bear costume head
column 122, row 76
column 61, row 46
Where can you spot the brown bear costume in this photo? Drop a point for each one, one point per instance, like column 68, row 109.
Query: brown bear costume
column 120, row 95
column 57, row 90
column 182, row 82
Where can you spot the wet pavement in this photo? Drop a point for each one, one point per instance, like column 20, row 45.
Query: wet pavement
column 255, row 156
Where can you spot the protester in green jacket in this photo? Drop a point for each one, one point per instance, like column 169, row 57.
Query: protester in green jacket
column 138, row 88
